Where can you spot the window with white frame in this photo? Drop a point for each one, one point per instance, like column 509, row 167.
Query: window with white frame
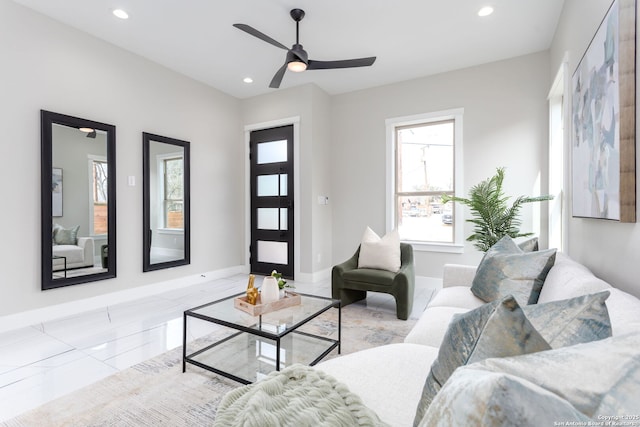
column 425, row 163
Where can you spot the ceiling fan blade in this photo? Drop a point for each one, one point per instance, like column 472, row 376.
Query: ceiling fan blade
column 277, row 78
column 250, row 30
column 346, row 63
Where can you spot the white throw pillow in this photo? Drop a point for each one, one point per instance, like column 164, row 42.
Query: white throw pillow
column 380, row 253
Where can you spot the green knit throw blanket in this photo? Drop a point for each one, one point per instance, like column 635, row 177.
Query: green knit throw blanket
column 296, row 396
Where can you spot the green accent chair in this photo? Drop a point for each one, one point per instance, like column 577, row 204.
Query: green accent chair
column 350, row 283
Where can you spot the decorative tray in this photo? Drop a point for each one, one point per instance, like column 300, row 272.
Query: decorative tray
column 290, row 299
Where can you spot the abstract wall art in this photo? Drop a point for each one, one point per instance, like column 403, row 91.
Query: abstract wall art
column 603, row 118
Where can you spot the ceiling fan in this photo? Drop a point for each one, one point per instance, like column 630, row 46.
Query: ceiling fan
column 297, row 59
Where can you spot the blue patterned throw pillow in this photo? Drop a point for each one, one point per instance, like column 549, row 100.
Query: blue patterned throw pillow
column 571, row 321
column 497, row 329
column 584, row 383
column 508, row 270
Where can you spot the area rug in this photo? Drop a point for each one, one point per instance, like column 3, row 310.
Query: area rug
column 157, row 393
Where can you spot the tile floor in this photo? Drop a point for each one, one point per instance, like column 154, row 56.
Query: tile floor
column 48, row 360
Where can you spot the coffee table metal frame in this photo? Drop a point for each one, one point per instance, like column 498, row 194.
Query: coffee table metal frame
column 277, row 337
column 64, row 258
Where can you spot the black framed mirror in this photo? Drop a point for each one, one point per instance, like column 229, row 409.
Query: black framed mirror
column 78, row 200
column 166, row 195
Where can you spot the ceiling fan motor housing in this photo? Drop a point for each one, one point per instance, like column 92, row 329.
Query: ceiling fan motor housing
column 297, row 53
column 297, row 14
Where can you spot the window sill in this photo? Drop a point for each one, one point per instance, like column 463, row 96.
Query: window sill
column 451, row 248
column 170, row 231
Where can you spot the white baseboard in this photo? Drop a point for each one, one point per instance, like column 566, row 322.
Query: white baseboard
column 45, row 314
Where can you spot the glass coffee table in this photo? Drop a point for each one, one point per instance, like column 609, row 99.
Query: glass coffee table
column 259, row 345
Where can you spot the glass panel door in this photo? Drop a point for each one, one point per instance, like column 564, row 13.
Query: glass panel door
column 271, row 155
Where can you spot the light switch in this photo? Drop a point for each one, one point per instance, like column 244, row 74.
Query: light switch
column 132, row 181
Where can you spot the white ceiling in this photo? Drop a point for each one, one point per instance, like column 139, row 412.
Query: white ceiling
column 411, row 38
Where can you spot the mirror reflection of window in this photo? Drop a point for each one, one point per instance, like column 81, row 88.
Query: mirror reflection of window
column 173, row 193
column 167, row 203
column 166, row 224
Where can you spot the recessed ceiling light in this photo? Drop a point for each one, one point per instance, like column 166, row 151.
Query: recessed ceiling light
column 485, row 11
column 121, row 14
column 247, row 80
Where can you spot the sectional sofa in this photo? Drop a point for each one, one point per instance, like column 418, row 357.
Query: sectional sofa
column 594, row 381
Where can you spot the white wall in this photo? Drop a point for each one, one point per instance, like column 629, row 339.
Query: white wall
column 608, row 248
column 47, row 65
column 505, row 124
column 322, row 167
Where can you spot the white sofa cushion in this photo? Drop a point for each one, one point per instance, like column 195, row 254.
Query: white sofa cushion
column 456, row 296
column 458, row 275
column 432, row 325
column 568, row 279
column 624, row 312
column 388, row 379
column 73, row 253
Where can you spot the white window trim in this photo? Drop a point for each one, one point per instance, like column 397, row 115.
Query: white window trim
column 90, row 159
column 558, row 209
column 160, row 158
column 391, row 124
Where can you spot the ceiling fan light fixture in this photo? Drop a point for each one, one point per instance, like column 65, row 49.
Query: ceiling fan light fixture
column 297, row 66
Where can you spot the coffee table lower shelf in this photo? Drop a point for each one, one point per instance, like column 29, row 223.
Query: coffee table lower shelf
column 246, row 358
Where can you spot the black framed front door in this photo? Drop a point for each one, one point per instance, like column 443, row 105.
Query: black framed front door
column 272, row 201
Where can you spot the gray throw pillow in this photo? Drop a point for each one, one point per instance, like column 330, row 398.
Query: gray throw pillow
column 507, row 270
column 529, row 245
column 66, row 236
column 475, row 397
column 498, row 329
column 54, row 230
column 593, row 380
column 571, row 321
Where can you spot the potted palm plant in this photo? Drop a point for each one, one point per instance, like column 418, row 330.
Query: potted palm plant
column 493, row 218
